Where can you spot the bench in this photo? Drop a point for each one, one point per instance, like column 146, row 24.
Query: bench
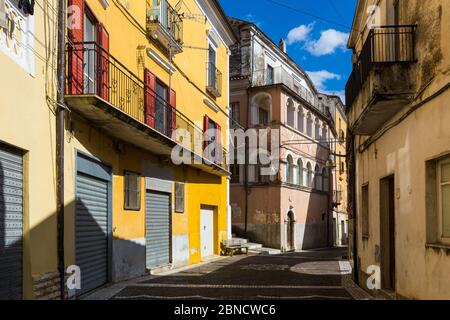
column 229, row 247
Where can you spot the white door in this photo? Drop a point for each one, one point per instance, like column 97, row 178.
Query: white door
column 206, row 232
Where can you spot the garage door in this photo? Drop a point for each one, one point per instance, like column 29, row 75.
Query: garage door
column 11, row 229
column 92, row 231
column 157, row 229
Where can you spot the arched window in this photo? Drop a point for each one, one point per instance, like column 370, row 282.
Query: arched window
column 324, row 133
column 300, row 172
column 300, row 120
column 290, row 113
column 290, row 170
column 309, row 122
column 317, row 129
column 309, row 175
column 317, row 180
column 325, row 180
column 261, row 109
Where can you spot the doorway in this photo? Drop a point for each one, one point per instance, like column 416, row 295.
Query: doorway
column 207, row 232
column 387, row 232
column 290, row 231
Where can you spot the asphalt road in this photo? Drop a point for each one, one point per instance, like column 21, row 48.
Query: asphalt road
column 321, row 274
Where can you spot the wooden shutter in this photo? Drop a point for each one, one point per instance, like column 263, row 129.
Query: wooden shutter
column 103, row 62
column 75, row 51
column 172, row 119
column 150, row 96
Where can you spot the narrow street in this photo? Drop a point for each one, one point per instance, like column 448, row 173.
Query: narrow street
column 321, row 274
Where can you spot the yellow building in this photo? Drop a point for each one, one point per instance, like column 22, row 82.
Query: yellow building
column 143, row 79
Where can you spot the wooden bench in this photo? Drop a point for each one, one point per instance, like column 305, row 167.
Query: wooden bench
column 230, row 247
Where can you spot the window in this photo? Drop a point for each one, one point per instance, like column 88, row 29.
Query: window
column 179, row 197
column 342, row 167
column 325, row 180
column 234, row 114
column 317, row 129
column 444, row 200
column 290, row 170
column 290, row 113
column 270, row 74
column 132, row 191
column 263, row 117
column 300, row 121
column 211, row 66
column 317, row 183
column 309, row 122
column 235, row 173
column 309, row 175
column 212, row 140
column 365, row 211
column 300, row 172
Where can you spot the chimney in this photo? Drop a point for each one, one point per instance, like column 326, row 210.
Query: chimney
column 282, row 45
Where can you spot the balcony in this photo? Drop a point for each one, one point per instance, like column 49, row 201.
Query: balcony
column 103, row 91
column 165, row 25
column 380, row 84
column 214, row 80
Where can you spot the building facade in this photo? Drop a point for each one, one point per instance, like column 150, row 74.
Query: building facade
column 290, row 208
column 146, row 82
column 397, row 98
column 338, row 146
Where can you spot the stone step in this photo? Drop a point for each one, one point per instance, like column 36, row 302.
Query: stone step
column 239, row 240
column 252, row 246
column 265, row 251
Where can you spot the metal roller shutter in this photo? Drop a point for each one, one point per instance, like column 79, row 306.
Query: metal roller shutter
column 11, row 224
column 157, row 229
column 92, row 231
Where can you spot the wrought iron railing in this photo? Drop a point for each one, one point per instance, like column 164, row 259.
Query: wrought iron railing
column 214, row 79
column 278, row 75
column 91, row 70
column 160, row 11
column 384, row 45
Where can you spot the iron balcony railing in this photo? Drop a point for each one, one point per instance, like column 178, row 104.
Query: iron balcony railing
column 384, row 45
column 214, row 81
column 161, row 12
column 278, row 75
column 91, row 70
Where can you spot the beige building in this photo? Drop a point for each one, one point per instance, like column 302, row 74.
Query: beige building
column 399, row 151
column 291, row 209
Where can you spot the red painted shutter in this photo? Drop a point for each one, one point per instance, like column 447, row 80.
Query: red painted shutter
column 103, row 62
column 205, row 135
column 218, row 144
column 150, row 88
column 75, row 51
column 173, row 117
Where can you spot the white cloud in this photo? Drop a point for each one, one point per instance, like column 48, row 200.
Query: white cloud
column 252, row 18
column 320, row 77
column 299, row 34
column 330, row 40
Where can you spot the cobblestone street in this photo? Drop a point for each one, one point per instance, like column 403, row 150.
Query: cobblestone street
column 319, row 274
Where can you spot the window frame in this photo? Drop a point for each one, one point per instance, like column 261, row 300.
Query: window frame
column 126, row 198
column 365, row 226
column 442, row 239
column 176, row 197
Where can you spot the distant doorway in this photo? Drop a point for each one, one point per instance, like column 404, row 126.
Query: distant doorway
column 387, row 232
column 290, row 231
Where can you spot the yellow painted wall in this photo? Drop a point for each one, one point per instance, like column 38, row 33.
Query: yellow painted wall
column 27, row 122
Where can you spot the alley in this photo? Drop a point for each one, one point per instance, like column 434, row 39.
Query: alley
column 321, row 274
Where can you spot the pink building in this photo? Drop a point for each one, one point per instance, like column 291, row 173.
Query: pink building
column 289, row 210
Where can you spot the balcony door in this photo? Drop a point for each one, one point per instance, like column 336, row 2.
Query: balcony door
column 90, row 61
column 211, row 66
column 160, row 107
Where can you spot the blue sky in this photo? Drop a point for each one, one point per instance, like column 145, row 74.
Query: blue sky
column 317, row 42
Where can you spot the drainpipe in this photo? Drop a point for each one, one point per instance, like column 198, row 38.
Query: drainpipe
column 351, row 190
column 60, row 118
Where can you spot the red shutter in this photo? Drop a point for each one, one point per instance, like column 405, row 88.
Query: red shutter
column 205, row 134
column 103, row 62
column 218, row 144
column 172, row 110
column 75, row 51
column 150, row 88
